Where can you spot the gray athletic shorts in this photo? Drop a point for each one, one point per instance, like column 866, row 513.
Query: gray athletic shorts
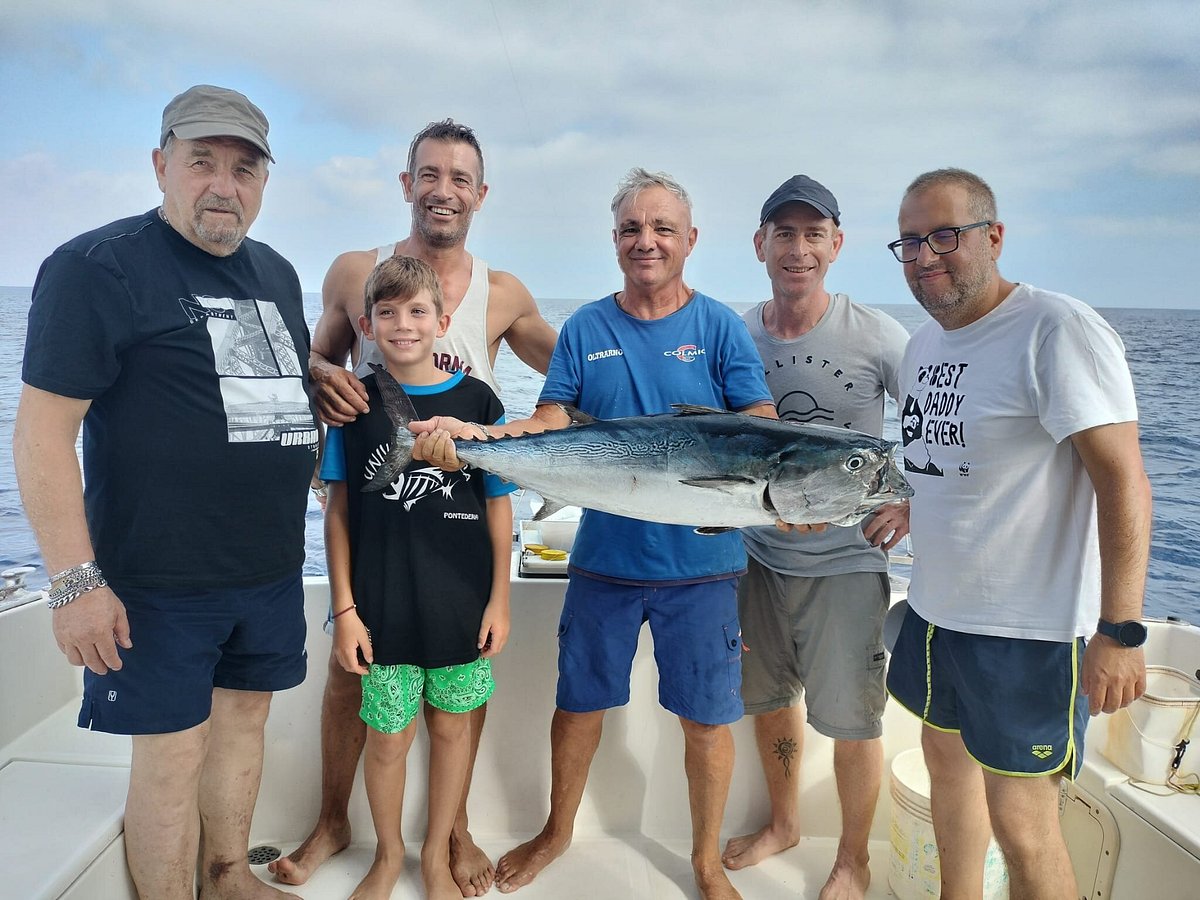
column 821, row 637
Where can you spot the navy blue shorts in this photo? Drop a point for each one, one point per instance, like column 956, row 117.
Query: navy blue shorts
column 1015, row 703
column 697, row 645
column 187, row 642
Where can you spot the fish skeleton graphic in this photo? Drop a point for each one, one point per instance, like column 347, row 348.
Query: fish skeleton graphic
column 412, row 486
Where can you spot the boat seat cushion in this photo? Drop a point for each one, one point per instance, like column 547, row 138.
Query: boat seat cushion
column 55, row 819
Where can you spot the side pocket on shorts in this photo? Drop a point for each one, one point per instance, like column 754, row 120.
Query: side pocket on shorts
column 732, row 635
column 875, row 687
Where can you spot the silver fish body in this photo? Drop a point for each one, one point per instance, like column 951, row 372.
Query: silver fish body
column 701, row 467
column 704, row 468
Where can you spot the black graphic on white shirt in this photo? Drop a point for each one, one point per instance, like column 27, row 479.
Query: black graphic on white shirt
column 912, row 429
column 932, row 416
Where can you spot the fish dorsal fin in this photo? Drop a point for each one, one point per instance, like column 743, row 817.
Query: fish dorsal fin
column 691, row 409
column 396, row 403
column 577, row 416
column 718, row 482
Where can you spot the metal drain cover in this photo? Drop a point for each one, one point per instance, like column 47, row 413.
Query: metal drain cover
column 263, row 854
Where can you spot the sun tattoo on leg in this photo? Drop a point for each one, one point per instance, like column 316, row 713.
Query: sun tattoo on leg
column 785, row 749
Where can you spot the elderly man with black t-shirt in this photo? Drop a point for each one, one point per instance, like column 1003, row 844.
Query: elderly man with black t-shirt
column 180, row 347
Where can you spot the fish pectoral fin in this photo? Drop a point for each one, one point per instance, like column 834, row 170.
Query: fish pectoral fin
column 718, row 482
column 692, row 409
column 577, row 416
column 549, row 507
column 712, row 529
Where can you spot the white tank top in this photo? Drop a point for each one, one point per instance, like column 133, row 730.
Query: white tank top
column 465, row 343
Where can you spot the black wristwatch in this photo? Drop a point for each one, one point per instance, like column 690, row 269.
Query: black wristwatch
column 1127, row 634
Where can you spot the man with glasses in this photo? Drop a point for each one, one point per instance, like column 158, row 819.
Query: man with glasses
column 812, row 605
column 1031, row 531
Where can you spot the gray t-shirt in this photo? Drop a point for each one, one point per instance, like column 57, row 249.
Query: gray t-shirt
column 836, row 375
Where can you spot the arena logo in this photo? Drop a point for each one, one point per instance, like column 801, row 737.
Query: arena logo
column 685, row 352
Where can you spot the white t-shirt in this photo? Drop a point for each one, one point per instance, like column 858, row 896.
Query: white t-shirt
column 1004, row 517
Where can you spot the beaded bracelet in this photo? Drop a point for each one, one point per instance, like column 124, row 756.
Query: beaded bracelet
column 72, row 583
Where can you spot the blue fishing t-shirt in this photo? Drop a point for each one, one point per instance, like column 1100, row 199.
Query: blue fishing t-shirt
column 611, row 365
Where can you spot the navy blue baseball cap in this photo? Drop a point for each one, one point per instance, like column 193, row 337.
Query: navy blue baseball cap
column 802, row 189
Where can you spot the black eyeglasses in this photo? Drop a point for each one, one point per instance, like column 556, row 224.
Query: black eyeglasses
column 941, row 242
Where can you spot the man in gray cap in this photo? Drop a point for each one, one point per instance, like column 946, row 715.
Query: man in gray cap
column 812, row 605
column 180, row 347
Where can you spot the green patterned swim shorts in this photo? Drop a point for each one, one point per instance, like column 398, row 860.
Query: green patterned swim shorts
column 391, row 695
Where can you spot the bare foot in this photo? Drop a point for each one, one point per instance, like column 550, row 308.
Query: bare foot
column 381, row 878
column 750, row 849
column 849, row 879
column 470, row 867
column 298, row 866
column 229, row 883
column 435, row 875
column 713, row 883
column 521, row 865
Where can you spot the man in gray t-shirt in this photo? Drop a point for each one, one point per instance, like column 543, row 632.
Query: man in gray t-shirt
column 828, row 361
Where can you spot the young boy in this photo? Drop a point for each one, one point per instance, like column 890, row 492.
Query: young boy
column 418, row 574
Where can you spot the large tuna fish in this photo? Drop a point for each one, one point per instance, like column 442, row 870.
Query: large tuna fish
column 698, row 466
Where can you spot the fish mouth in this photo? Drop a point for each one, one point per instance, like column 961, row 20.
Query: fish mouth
column 890, row 483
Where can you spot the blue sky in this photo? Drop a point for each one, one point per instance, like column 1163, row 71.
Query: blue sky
column 1084, row 117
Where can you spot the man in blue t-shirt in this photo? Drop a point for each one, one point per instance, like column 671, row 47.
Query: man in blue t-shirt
column 636, row 352
column 179, row 345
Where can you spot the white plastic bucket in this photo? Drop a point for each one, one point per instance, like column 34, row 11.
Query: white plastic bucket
column 914, row 873
column 1143, row 736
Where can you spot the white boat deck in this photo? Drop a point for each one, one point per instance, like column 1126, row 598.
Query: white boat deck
column 633, row 827
column 616, row 868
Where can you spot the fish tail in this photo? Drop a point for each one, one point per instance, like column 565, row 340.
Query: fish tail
column 400, row 411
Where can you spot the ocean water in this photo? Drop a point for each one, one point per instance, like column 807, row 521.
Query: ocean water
column 1163, row 348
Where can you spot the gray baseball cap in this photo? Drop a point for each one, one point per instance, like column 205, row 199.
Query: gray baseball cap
column 802, row 189
column 206, row 111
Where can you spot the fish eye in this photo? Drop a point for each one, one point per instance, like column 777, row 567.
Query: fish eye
column 855, row 462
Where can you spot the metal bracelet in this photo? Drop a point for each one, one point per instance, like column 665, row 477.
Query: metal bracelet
column 90, row 564
column 72, row 583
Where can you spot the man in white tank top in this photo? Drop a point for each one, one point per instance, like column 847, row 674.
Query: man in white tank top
column 445, row 187
column 463, row 347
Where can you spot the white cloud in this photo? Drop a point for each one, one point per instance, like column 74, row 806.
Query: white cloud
column 1056, row 104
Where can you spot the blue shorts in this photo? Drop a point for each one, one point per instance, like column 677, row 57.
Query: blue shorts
column 1015, row 703
column 697, row 645
column 187, row 642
